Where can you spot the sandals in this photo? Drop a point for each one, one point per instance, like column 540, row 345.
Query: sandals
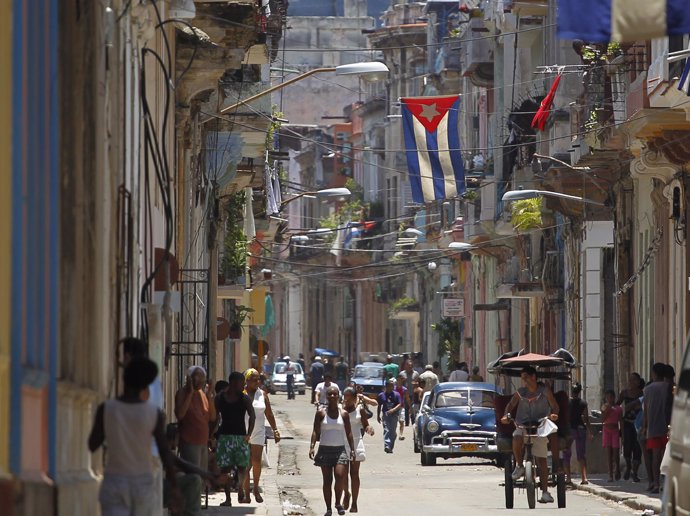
column 340, row 509
column 258, row 497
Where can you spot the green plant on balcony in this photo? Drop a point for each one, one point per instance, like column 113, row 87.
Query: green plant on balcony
column 238, row 316
column 450, row 337
column 403, row 304
column 235, row 243
column 526, row 214
column 276, row 118
column 354, row 209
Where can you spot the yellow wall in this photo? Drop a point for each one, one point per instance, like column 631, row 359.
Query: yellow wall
column 5, row 224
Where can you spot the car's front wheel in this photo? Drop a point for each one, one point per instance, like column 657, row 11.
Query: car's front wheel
column 428, row 459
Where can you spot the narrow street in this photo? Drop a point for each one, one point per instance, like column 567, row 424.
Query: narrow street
column 398, row 483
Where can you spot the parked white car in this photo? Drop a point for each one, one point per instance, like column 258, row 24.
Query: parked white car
column 277, row 382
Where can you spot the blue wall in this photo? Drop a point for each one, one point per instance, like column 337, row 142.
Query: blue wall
column 35, row 215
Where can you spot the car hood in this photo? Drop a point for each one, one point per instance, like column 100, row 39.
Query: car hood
column 283, row 377
column 457, row 416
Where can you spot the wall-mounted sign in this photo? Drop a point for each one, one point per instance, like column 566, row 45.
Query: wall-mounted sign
column 453, row 307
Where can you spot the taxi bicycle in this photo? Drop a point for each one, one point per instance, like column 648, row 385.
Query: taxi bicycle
column 549, row 425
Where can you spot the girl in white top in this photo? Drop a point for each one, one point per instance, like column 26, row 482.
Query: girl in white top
column 333, row 431
column 263, row 413
column 127, row 424
column 353, row 404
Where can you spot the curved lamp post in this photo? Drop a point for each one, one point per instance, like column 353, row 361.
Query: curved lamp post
column 372, row 70
column 326, row 192
column 518, row 195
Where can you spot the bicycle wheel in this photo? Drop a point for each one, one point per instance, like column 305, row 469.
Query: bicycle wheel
column 508, row 472
column 560, row 490
column 529, row 485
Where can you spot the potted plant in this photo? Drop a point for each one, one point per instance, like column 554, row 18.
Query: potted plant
column 239, row 314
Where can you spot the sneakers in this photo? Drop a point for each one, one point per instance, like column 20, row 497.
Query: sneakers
column 546, row 497
column 518, row 472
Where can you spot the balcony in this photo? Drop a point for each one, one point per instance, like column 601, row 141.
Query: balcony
column 477, row 54
column 516, row 283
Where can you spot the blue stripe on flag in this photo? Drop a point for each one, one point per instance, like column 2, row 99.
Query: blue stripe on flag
column 589, row 20
column 435, row 163
column 454, row 143
column 683, row 83
column 412, row 157
column 677, row 17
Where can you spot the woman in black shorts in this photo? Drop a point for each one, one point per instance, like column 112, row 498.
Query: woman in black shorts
column 332, row 430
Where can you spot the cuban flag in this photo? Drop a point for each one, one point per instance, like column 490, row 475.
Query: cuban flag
column 599, row 21
column 432, row 142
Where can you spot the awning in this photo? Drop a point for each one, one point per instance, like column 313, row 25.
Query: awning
column 323, row 352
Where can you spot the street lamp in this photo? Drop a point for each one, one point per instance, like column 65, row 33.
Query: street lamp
column 326, row 192
column 461, row 246
column 518, row 195
column 372, row 70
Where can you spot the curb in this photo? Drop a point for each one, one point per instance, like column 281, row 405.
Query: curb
column 632, row 500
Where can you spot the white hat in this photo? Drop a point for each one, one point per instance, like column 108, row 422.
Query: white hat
column 286, row 357
column 193, row 368
column 317, row 358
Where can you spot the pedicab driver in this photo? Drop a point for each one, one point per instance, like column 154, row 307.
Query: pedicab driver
column 534, row 402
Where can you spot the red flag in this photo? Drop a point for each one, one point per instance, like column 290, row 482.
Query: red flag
column 542, row 114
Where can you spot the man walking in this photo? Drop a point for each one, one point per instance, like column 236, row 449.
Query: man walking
column 390, row 404
column 410, row 376
column 460, row 373
column 316, row 375
column 429, row 377
column 391, row 368
column 290, row 377
column 342, row 373
column 655, row 421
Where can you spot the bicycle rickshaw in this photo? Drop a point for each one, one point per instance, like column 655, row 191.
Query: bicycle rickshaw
column 555, row 368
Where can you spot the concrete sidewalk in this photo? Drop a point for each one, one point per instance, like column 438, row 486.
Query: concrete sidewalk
column 625, row 492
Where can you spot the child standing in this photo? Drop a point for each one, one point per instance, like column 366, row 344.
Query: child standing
column 611, row 415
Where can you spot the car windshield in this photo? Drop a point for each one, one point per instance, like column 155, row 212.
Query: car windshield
column 368, row 372
column 465, row 398
column 281, row 366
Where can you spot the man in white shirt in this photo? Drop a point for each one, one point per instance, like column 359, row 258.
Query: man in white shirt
column 429, row 377
column 322, row 389
column 461, row 373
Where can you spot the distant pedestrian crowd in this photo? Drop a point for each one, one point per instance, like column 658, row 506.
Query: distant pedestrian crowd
column 635, row 424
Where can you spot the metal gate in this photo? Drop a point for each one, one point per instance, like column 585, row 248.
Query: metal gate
column 191, row 346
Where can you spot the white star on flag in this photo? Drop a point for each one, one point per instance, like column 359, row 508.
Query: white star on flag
column 429, row 112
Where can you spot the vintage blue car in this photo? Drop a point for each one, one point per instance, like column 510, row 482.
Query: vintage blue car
column 458, row 421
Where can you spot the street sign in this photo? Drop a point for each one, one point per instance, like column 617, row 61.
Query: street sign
column 453, row 307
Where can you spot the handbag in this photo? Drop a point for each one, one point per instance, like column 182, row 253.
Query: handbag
column 366, row 410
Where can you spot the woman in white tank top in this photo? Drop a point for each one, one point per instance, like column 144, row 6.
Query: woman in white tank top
column 359, row 421
column 126, row 425
column 263, row 413
column 333, row 431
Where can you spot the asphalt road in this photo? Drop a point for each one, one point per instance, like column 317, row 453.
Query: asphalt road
column 398, row 484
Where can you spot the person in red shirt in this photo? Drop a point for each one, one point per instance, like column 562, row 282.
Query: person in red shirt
column 195, row 411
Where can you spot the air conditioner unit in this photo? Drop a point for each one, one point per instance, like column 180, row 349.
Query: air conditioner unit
column 182, row 9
